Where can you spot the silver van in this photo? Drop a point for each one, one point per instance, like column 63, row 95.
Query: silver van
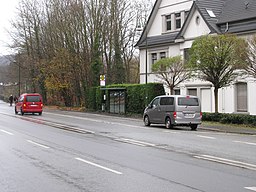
column 174, row 110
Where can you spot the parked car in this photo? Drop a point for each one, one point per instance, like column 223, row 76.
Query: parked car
column 174, row 110
column 29, row 103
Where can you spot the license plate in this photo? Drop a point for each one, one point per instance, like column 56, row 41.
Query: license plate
column 187, row 115
column 33, row 105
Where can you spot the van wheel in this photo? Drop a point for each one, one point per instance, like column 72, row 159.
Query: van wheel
column 40, row 113
column 146, row 121
column 193, row 127
column 168, row 123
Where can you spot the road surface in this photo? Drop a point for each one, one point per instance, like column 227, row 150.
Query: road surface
column 83, row 152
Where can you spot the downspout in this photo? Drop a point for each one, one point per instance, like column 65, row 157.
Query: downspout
column 227, row 28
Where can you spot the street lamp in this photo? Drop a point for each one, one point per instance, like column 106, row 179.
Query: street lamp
column 19, row 79
column 15, row 62
column 146, row 60
column 139, row 29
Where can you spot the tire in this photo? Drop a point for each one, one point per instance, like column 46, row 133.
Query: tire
column 21, row 111
column 40, row 113
column 15, row 110
column 193, row 127
column 146, row 121
column 168, row 123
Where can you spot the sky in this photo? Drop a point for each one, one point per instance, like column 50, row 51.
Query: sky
column 7, row 13
column 8, row 10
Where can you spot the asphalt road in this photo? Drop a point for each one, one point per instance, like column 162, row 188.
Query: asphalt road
column 82, row 152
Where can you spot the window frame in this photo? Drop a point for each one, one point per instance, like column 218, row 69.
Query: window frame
column 241, row 98
column 177, row 18
column 168, row 19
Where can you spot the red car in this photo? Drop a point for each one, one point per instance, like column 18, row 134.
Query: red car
column 29, row 103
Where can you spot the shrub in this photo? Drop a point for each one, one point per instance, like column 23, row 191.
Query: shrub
column 230, row 118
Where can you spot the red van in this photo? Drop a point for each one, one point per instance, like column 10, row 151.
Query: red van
column 29, row 103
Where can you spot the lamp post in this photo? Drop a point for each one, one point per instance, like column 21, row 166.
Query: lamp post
column 146, row 60
column 15, row 62
column 19, row 79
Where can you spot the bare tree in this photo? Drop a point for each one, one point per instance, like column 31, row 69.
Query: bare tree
column 172, row 71
column 251, row 57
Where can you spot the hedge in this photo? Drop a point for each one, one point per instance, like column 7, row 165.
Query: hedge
column 230, row 118
column 137, row 96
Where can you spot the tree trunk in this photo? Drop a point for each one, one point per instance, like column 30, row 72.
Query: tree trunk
column 216, row 98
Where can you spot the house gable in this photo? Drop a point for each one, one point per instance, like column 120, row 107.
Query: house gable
column 195, row 26
column 155, row 32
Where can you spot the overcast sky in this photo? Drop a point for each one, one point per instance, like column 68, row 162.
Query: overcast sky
column 7, row 13
column 8, row 10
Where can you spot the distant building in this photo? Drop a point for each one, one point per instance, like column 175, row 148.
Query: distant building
column 170, row 31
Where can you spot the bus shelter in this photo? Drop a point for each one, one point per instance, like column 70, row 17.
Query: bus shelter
column 114, row 100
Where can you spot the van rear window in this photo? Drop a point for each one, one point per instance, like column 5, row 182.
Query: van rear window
column 185, row 101
column 33, row 99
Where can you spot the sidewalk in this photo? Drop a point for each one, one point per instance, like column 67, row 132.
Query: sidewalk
column 227, row 128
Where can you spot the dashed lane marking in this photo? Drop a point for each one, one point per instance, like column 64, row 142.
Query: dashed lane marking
column 37, row 144
column 7, row 132
column 243, row 142
column 206, row 137
column 135, row 142
column 251, row 188
column 99, row 166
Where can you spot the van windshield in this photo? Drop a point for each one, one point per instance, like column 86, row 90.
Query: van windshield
column 186, row 101
column 33, row 98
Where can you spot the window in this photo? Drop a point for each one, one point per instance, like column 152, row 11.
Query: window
column 168, row 23
column 153, row 57
column 187, row 101
column 162, row 55
column 166, row 101
column 155, row 102
column 241, row 92
column 174, row 21
column 176, row 91
column 33, row 99
column 186, row 55
column 178, row 20
column 192, row 92
column 211, row 13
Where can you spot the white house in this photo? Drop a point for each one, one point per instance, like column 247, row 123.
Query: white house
column 170, row 31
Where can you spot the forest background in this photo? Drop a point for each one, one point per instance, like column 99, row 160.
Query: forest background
column 63, row 46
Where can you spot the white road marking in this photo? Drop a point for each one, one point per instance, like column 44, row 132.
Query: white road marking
column 251, row 188
column 227, row 161
column 243, row 142
column 99, row 166
column 206, row 137
column 170, row 132
column 6, row 132
column 40, row 145
column 136, row 142
column 99, row 121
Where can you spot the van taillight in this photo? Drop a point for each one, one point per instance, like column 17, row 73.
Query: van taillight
column 174, row 114
column 41, row 105
column 201, row 115
column 24, row 105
